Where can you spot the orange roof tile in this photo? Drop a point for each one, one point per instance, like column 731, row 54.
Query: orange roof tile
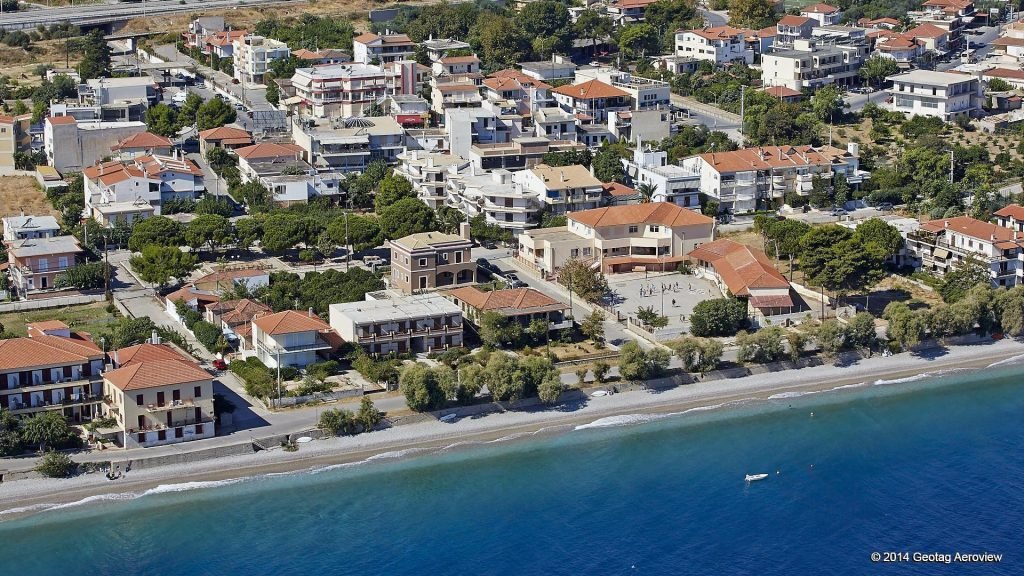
column 790, row 20
column 510, row 302
column 1004, row 73
column 741, row 267
column 43, row 350
column 460, row 59
column 288, row 322
column 187, row 293
column 974, row 228
column 224, row 132
column 926, row 31
column 156, row 374
column 781, row 92
column 768, row 157
column 718, row 32
column 617, row 189
column 269, row 150
column 56, row 120
column 590, row 90
column 365, row 38
column 143, row 140
column 146, row 352
column 1015, row 211
column 819, row 9
column 664, row 213
column 1008, row 41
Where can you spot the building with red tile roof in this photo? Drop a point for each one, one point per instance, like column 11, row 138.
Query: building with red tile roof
column 51, row 369
column 290, row 338
column 141, row 144
column 718, row 45
column 592, row 98
column 747, row 273
column 129, row 190
column 524, row 305
column 941, row 245
column 223, row 137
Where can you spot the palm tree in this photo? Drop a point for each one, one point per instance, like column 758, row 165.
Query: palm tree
column 646, row 192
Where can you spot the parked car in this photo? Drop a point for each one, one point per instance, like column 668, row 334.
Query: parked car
column 839, row 212
column 513, row 280
column 220, row 364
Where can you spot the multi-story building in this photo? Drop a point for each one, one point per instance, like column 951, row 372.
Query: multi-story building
column 270, row 159
column 387, row 323
column 157, row 396
column 142, row 144
column 290, row 338
column 253, row 55
column 25, row 227
column 950, row 15
column 561, row 189
column 746, row 273
column 522, row 305
column 512, row 88
column 372, row 48
column 222, row 44
column 945, row 95
column 554, row 123
column 431, row 260
column 35, row 263
column 939, row 246
column 823, row 14
column 449, row 93
column 429, row 172
column 558, row 68
column 718, row 45
column 671, row 182
column 349, row 144
column 200, row 29
column 234, row 318
column 322, row 57
column 14, row 138
column 520, row 153
column 467, row 127
column 650, row 236
column 1011, row 217
column 73, row 146
column 113, row 99
column 623, row 12
column 792, row 28
column 52, row 369
column 127, row 191
column 642, row 93
column 502, row 200
column 592, row 100
column 340, row 90
column 810, row 65
column 744, row 180
column 438, row 48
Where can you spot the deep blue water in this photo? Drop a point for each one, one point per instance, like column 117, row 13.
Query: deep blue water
column 940, row 469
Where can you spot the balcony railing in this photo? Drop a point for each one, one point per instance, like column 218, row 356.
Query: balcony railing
column 66, row 401
column 80, row 381
column 318, row 344
column 178, row 423
column 172, row 405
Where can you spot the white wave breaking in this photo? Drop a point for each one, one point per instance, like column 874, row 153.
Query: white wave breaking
column 188, row 486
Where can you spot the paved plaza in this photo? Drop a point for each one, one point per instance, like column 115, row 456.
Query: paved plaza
column 674, row 295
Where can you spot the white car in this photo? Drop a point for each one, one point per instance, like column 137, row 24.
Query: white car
column 179, row 97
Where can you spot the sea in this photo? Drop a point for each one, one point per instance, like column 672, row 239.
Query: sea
column 889, row 477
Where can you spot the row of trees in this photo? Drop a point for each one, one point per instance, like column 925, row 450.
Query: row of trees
column 166, row 121
column 43, row 430
column 338, row 421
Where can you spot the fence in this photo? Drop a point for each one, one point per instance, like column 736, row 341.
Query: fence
column 56, row 302
column 289, row 401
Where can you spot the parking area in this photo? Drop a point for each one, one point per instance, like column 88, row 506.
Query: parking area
column 671, row 295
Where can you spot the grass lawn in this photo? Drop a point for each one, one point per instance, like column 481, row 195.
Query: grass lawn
column 84, row 317
column 575, row 350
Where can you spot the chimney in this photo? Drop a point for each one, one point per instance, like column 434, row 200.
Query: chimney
column 945, row 223
column 154, row 338
column 464, row 230
column 854, row 149
column 117, row 362
column 310, row 312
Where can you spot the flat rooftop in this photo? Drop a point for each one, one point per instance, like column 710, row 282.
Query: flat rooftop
column 395, row 309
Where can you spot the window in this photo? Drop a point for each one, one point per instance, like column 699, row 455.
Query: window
column 161, row 435
column 634, row 229
column 42, row 264
column 423, row 261
column 142, row 437
column 197, row 392
column 138, row 400
column 178, row 433
column 199, row 428
column 655, row 228
column 458, row 257
column 62, row 262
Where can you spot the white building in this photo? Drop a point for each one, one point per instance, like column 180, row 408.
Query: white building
column 371, row 48
column 823, row 14
column 558, row 68
column 72, row 146
column 561, row 189
column 290, row 338
column 22, row 227
column 349, row 144
column 504, row 201
column 253, row 55
column 810, row 65
column 429, row 173
column 718, row 45
column 945, row 95
column 129, row 191
column 341, row 89
column 386, row 323
column 672, row 183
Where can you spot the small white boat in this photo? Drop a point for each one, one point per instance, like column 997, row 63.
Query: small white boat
column 599, row 393
column 755, row 477
column 448, row 417
column 303, row 440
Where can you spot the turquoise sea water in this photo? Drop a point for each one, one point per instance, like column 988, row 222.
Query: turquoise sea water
column 936, row 470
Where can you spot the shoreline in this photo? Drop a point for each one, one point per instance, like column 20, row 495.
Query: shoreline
column 28, row 497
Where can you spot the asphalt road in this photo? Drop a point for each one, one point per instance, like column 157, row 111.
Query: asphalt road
column 113, row 12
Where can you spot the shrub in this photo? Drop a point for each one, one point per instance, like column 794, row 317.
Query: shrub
column 323, row 370
column 206, row 333
column 369, row 417
column 56, row 465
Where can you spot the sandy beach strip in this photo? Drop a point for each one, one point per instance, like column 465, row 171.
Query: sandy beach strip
column 23, row 497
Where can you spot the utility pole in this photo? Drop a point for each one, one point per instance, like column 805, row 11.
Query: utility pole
column 278, row 376
column 106, row 271
column 951, row 166
column 348, row 243
column 743, row 94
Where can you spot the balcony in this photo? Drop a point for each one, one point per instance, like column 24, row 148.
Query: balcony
column 273, row 349
column 175, row 423
column 80, row 381
column 172, row 405
column 15, row 405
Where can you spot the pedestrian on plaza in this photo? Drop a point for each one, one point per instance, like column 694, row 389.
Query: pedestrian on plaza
column 673, row 302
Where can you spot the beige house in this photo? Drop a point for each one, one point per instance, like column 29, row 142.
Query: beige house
column 158, row 396
column 563, row 188
column 430, row 260
column 524, row 305
column 14, row 137
column 35, row 263
column 652, row 236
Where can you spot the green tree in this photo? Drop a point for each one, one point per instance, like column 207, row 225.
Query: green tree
column 592, row 25
column 503, row 378
column 967, row 274
column 187, row 115
column 213, row 114
column 96, row 56
column 336, row 421
column 862, row 331
column 392, row 189
column 210, row 230
column 361, row 232
column 581, row 279
column 600, row 371
column 255, row 196
column 421, row 388
column 498, row 330
column 648, row 317
column 754, row 14
column 407, row 216
column 46, row 428
column 56, row 465
column 827, row 102
column 881, row 234
column 247, row 231
column 608, row 164
column 697, row 354
column 832, row 337
column 636, row 365
column 550, row 389
column 368, row 416
column 592, row 327
column 718, row 317
column 761, row 347
column 906, row 327
column 639, row 40
column 282, row 231
column 646, row 191
column 547, row 21
column 162, row 120
column 796, row 342
column 213, row 205
column 877, row 68
column 84, row 276
column 10, row 433
column 158, row 264
column 498, row 40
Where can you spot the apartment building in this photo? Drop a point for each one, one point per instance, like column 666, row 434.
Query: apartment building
column 449, row 93
column 642, row 93
column 322, row 57
column 497, row 195
column 253, row 55
column 945, row 95
column 438, row 48
column 35, row 263
column 792, row 28
column 291, row 338
column 467, row 127
column 513, row 89
column 73, row 146
column 28, row 227
column 429, row 173
column 142, row 144
column 592, row 100
column 554, row 123
column 202, row 28
column 387, row 323
column 562, row 189
column 810, row 65
column 340, row 90
column 222, row 44
column 14, row 138
column 158, row 396
column 623, row 12
column 950, row 15
column 643, row 237
column 939, row 246
column 522, row 305
column 671, row 182
column 558, row 68
column 1010, row 217
column 718, row 45
column 753, row 178
column 371, row 48
column 51, row 369
column 223, row 137
column 349, row 144
column 521, row 153
column 430, row 260
column 112, row 99
column 823, row 14
column 270, row 159
column 131, row 190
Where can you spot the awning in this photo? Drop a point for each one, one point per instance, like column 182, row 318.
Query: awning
column 292, row 101
column 941, row 253
column 782, row 301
